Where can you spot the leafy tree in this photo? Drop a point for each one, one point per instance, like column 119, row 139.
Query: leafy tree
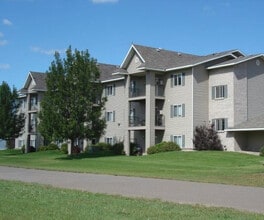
column 68, row 109
column 11, row 122
column 206, row 138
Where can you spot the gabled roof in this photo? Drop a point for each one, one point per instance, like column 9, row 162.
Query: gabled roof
column 38, row 80
column 253, row 124
column 236, row 61
column 166, row 60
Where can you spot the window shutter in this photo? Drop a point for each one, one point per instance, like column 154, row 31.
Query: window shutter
column 113, row 116
column 183, row 110
column 171, row 138
column 213, row 92
column 225, row 91
column 114, row 140
column 226, row 123
column 183, row 79
column 105, row 115
column 214, row 123
column 105, row 91
column 172, row 83
column 105, row 140
column 183, row 140
column 171, row 111
column 114, row 87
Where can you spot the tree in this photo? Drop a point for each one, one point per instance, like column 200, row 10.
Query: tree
column 72, row 106
column 206, row 138
column 11, row 122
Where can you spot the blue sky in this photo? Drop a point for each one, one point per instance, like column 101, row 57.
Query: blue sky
column 31, row 30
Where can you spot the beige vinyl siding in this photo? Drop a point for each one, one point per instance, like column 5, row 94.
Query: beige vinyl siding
column 255, row 88
column 115, row 104
column 223, row 108
column 200, row 96
column 179, row 95
column 240, row 94
column 134, row 63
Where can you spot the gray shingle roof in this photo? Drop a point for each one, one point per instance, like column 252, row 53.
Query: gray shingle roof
column 235, row 61
column 156, row 58
column 40, row 80
column 106, row 71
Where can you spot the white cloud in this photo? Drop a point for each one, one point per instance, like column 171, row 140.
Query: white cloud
column 7, row 22
column 4, row 66
column 47, row 52
column 104, row 1
column 3, row 42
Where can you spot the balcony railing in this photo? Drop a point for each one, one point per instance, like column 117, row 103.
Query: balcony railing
column 159, row 90
column 33, row 107
column 136, row 121
column 160, row 120
column 135, row 92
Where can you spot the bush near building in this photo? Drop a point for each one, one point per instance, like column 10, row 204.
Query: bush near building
column 163, row 147
column 206, row 138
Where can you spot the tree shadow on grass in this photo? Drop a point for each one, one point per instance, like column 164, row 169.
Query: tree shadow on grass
column 87, row 155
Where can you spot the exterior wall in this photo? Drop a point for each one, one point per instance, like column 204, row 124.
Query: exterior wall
column 255, row 88
column 116, row 103
column 240, row 94
column 223, row 108
column 200, row 96
column 255, row 140
column 174, row 96
column 134, row 63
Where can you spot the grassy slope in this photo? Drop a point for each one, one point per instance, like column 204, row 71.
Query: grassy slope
column 32, row 201
column 214, row 167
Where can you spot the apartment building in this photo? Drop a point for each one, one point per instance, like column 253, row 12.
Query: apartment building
column 160, row 95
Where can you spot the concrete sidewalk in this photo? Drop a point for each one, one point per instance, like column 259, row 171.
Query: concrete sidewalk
column 218, row 195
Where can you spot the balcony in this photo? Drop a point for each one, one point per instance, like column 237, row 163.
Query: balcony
column 135, row 121
column 159, row 90
column 160, row 120
column 136, row 92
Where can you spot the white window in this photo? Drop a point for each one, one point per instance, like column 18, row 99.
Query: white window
column 110, row 90
column 178, row 110
column 178, row 139
column 220, row 124
column 219, row 92
column 21, row 143
column 178, row 79
column 110, row 116
column 109, row 140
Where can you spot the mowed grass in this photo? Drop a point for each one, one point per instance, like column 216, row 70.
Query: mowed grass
column 207, row 166
column 33, row 201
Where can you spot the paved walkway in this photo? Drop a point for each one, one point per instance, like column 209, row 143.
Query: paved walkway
column 238, row 197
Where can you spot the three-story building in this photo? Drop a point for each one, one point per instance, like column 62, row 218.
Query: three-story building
column 160, row 95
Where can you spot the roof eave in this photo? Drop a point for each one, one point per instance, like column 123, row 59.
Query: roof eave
column 232, row 64
column 112, row 80
column 244, row 129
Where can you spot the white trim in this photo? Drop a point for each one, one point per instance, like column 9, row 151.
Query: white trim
column 234, row 63
column 119, row 73
column 112, row 80
column 151, row 69
column 129, row 54
column 244, row 129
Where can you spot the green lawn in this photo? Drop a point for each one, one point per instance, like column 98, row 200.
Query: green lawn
column 214, row 167
column 33, row 201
